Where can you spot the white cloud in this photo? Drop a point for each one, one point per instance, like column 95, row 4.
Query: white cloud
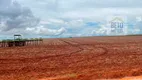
column 101, row 31
column 58, row 21
column 45, row 31
column 14, row 16
column 139, row 18
column 72, row 14
column 100, row 3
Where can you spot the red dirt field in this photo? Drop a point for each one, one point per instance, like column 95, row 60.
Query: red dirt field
column 90, row 58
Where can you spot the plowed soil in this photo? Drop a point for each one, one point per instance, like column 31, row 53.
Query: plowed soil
column 90, row 58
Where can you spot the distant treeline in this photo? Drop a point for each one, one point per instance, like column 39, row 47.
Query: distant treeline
column 134, row 35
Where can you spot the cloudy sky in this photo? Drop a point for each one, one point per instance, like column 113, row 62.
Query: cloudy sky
column 68, row 18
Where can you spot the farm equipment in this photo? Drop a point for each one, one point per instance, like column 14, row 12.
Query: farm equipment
column 19, row 41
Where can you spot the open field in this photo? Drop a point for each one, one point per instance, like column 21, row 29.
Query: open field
column 89, row 58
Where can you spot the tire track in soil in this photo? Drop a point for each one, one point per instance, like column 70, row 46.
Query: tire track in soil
column 28, row 60
column 81, row 49
column 36, row 59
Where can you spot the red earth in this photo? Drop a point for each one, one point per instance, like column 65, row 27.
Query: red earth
column 90, row 58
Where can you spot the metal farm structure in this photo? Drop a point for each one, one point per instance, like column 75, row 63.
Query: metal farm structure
column 18, row 41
